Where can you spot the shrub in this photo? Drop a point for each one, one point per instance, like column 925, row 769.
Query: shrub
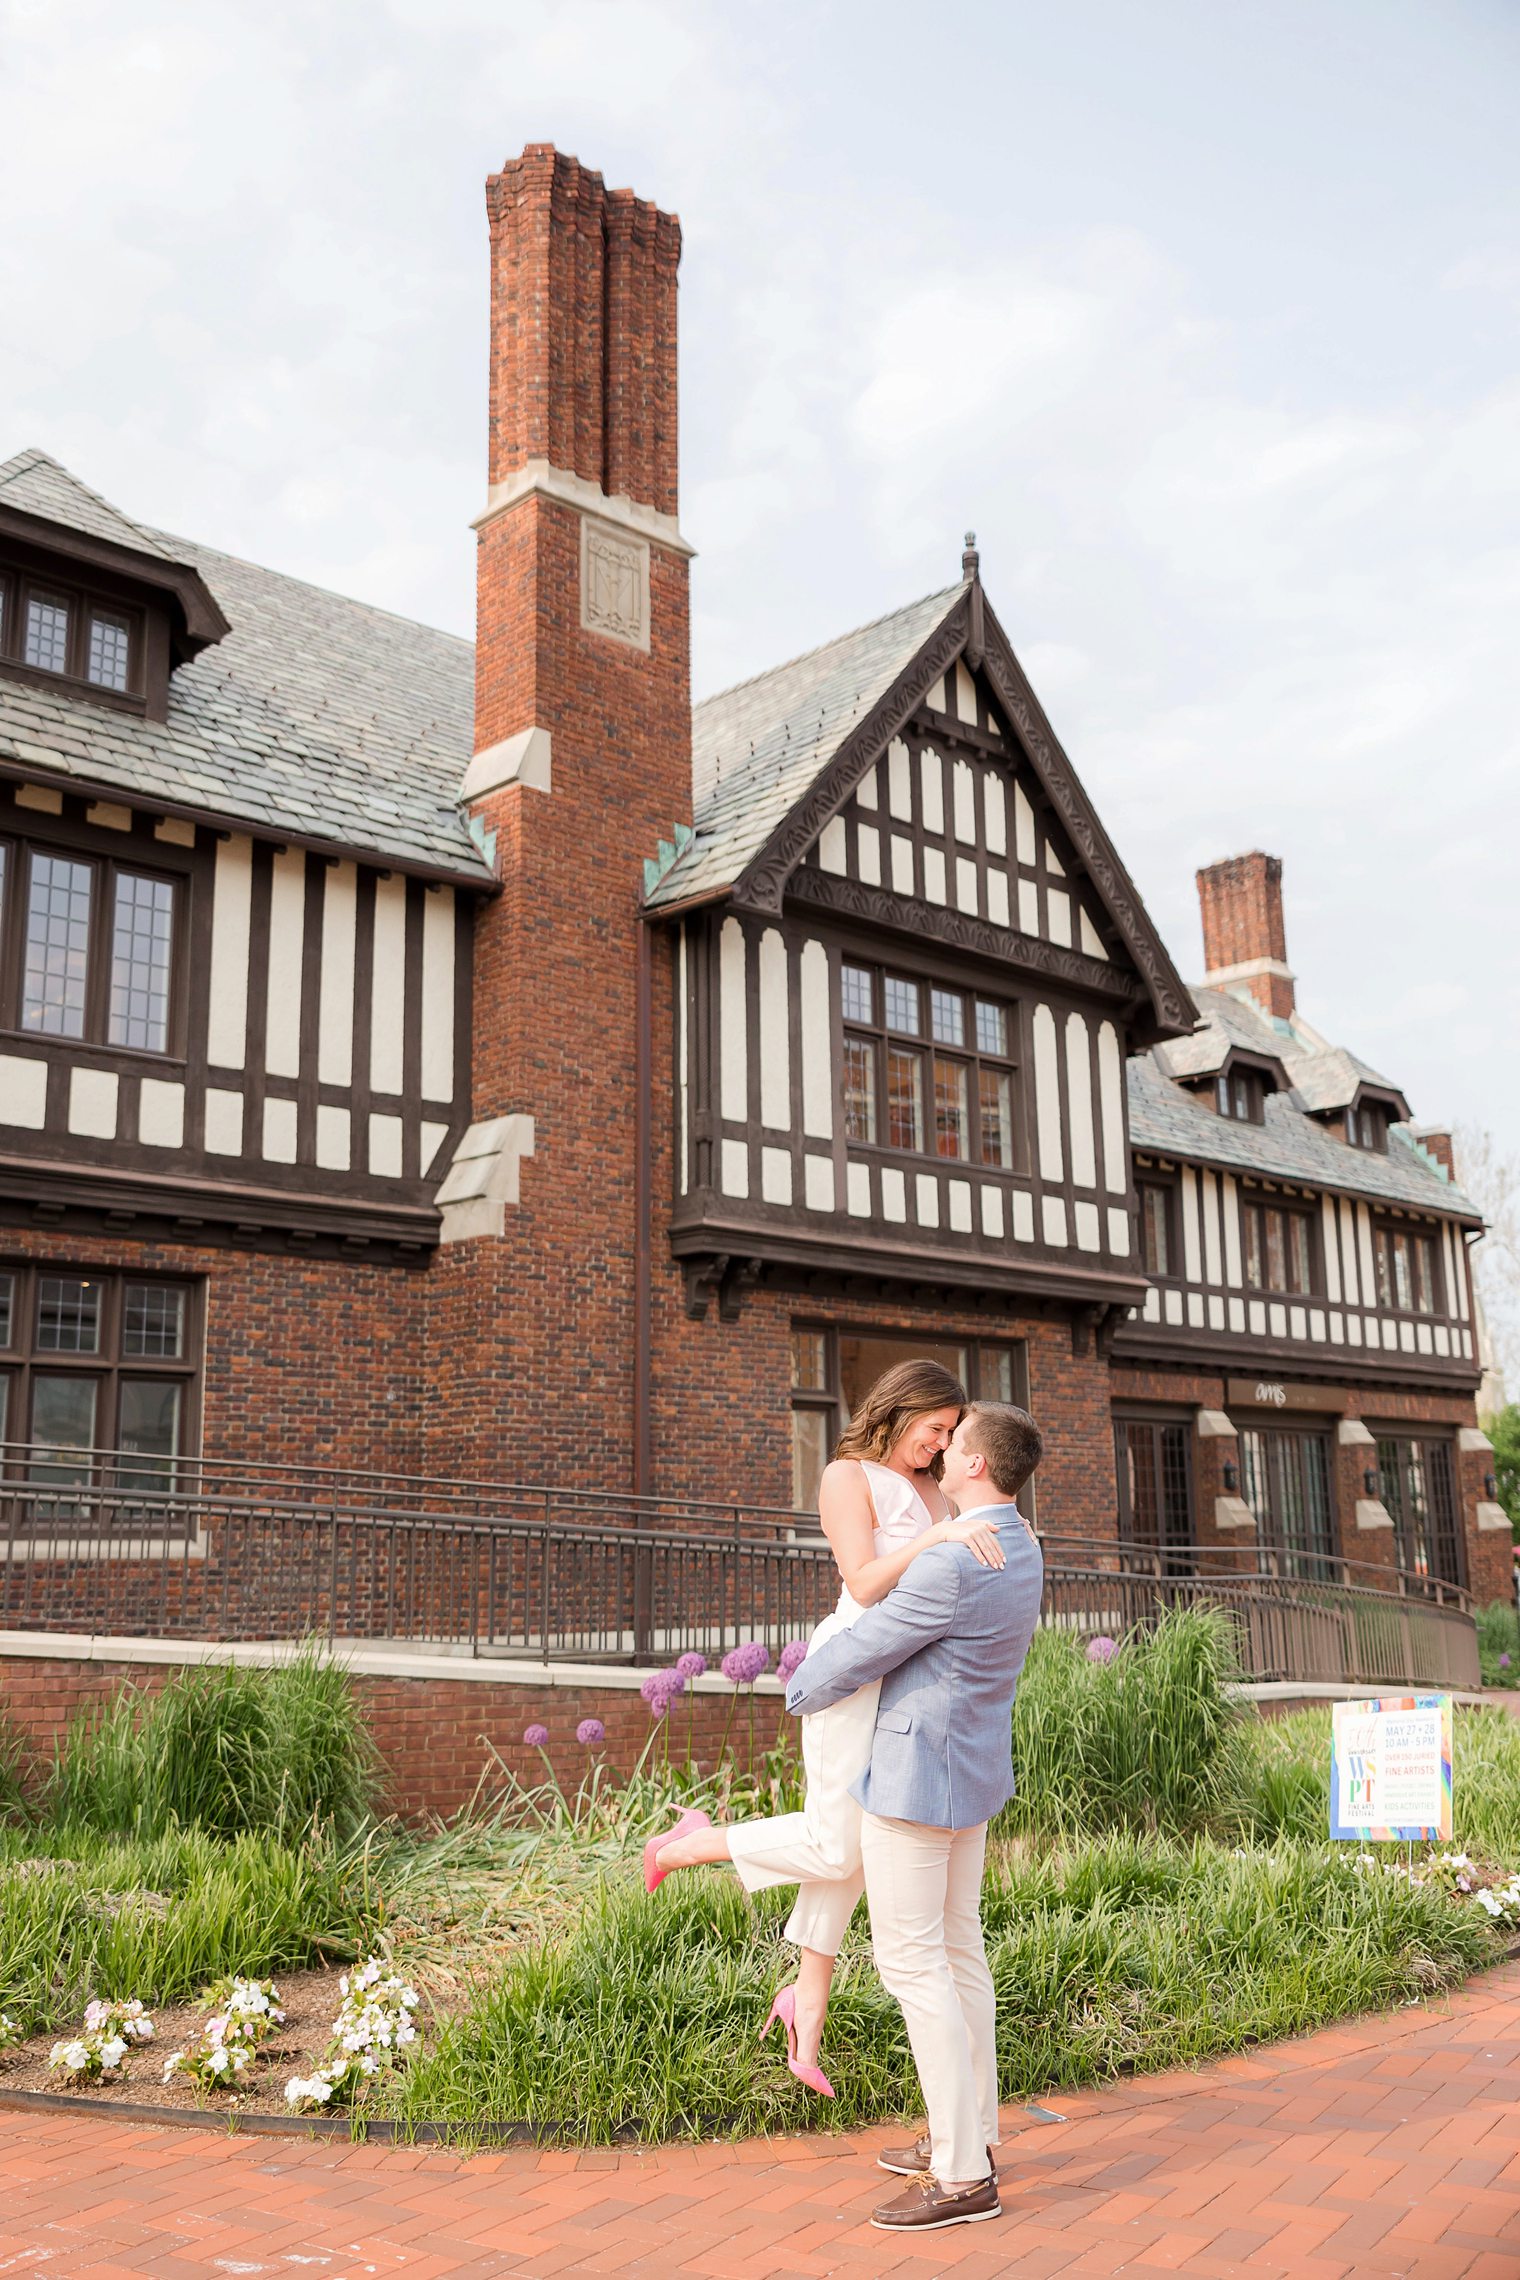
column 220, row 1748
column 1499, row 1637
column 1144, row 1738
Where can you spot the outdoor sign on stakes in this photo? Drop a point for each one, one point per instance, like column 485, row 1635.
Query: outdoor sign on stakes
column 1390, row 1769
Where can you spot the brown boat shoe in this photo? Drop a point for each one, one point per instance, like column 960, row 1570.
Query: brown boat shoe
column 927, row 2206
column 913, row 2160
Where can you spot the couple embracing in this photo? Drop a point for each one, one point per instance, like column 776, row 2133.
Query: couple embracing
column 906, row 1698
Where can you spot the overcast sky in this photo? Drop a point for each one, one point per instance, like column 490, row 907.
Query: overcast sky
column 1205, row 318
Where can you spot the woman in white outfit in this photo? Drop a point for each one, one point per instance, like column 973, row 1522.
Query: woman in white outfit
column 881, row 1504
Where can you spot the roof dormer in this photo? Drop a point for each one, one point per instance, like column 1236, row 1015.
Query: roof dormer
column 91, row 604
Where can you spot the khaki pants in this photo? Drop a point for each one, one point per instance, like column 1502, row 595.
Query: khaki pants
column 925, row 1891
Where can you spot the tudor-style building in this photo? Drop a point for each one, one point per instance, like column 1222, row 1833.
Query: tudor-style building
column 491, row 1066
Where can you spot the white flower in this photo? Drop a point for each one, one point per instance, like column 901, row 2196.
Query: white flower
column 112, row 2053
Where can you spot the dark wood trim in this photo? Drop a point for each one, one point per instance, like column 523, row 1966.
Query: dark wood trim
column 720, row 1231
column 764, row 882
column 258, row 829
column 256, row 1022
column 27, row 831
column 1203, row 1353
column 1172, row 1009
column 1300, row 1185
column 313, row 909
column 879, row 908
column 411, row 1030
column 365, row 883
column 172, row 1208
column 201, row 615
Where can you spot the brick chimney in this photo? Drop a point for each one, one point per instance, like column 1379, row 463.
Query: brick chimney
column 1437, row 1142
column 1243, row 940
column 582, row 764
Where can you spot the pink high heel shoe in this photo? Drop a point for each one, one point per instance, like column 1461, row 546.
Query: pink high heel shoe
column 692, row 1818
column 785, row 2009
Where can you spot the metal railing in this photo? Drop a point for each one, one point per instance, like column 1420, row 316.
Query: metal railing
column 108, row 1545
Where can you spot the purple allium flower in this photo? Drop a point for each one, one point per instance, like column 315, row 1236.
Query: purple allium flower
column 657, row 1690
column 691, row 1665
column 1102, row 1649
column 535, row 1736
column 590, row 1731
column 790, row 1660
column 743, row 1665
column 1504, row 1662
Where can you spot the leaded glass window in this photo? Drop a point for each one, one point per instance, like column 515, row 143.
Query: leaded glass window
column 110, row 649
column 57, row 946
column 141, row 944
column 47, row 633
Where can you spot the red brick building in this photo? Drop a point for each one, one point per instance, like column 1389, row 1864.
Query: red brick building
column 487, row 1064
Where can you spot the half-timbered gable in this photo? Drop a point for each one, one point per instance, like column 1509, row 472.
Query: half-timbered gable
column 1278, row 1231
column 235, row 911
column 907, row 976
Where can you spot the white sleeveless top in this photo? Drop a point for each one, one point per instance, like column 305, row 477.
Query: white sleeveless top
column 901, row 1518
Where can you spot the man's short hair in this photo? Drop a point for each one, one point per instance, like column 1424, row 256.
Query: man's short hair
column 1008, row 1438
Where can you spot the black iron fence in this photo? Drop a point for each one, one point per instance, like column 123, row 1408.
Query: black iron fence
column 96, row 1543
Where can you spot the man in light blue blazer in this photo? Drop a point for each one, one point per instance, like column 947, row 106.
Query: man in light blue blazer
column 948, row 1643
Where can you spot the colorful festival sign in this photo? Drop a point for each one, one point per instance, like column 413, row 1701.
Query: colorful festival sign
column 1390, row 1768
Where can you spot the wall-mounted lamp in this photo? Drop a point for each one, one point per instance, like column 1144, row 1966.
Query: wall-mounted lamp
column 1231, row 1479
column 1370, row 1482
column 1490, row 1487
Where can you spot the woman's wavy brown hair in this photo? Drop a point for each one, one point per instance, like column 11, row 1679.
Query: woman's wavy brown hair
column 906, row 1391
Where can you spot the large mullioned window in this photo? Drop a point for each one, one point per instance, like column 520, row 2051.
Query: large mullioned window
column 97, row 1376
column 1408, row 1270
column 1279, row 1248
column 87, row 948
column 927, row 1069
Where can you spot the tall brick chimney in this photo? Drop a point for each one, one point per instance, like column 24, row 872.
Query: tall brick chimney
column 582, row 765
column 1243, row 939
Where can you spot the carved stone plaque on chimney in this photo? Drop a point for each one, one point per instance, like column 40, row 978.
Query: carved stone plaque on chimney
column 614, row 583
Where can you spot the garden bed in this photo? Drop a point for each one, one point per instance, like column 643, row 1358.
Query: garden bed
column 1160, row 1892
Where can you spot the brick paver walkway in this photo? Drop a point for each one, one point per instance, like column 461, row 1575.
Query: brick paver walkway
column 1388, row 2147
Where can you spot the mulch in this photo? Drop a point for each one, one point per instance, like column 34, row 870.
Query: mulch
column 309, row 2000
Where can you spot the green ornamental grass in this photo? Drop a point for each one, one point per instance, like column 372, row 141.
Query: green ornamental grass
column 222, row 1748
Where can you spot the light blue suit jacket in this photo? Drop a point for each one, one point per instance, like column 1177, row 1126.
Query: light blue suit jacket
column 948, row 1643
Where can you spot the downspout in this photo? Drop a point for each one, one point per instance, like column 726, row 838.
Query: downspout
column 642, row 1193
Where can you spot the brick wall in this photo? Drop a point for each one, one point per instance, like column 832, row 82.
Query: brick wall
column 437, row 1736
column 1382, row 1409
column 307, row 1361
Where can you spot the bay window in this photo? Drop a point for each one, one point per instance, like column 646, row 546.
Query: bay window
column 928, row 1069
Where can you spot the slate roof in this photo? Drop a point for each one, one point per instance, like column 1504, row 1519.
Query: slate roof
column 34, row 483
column 315, row 715
column 1169, row 1119
column 758, row 747
column 1325, row 1077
